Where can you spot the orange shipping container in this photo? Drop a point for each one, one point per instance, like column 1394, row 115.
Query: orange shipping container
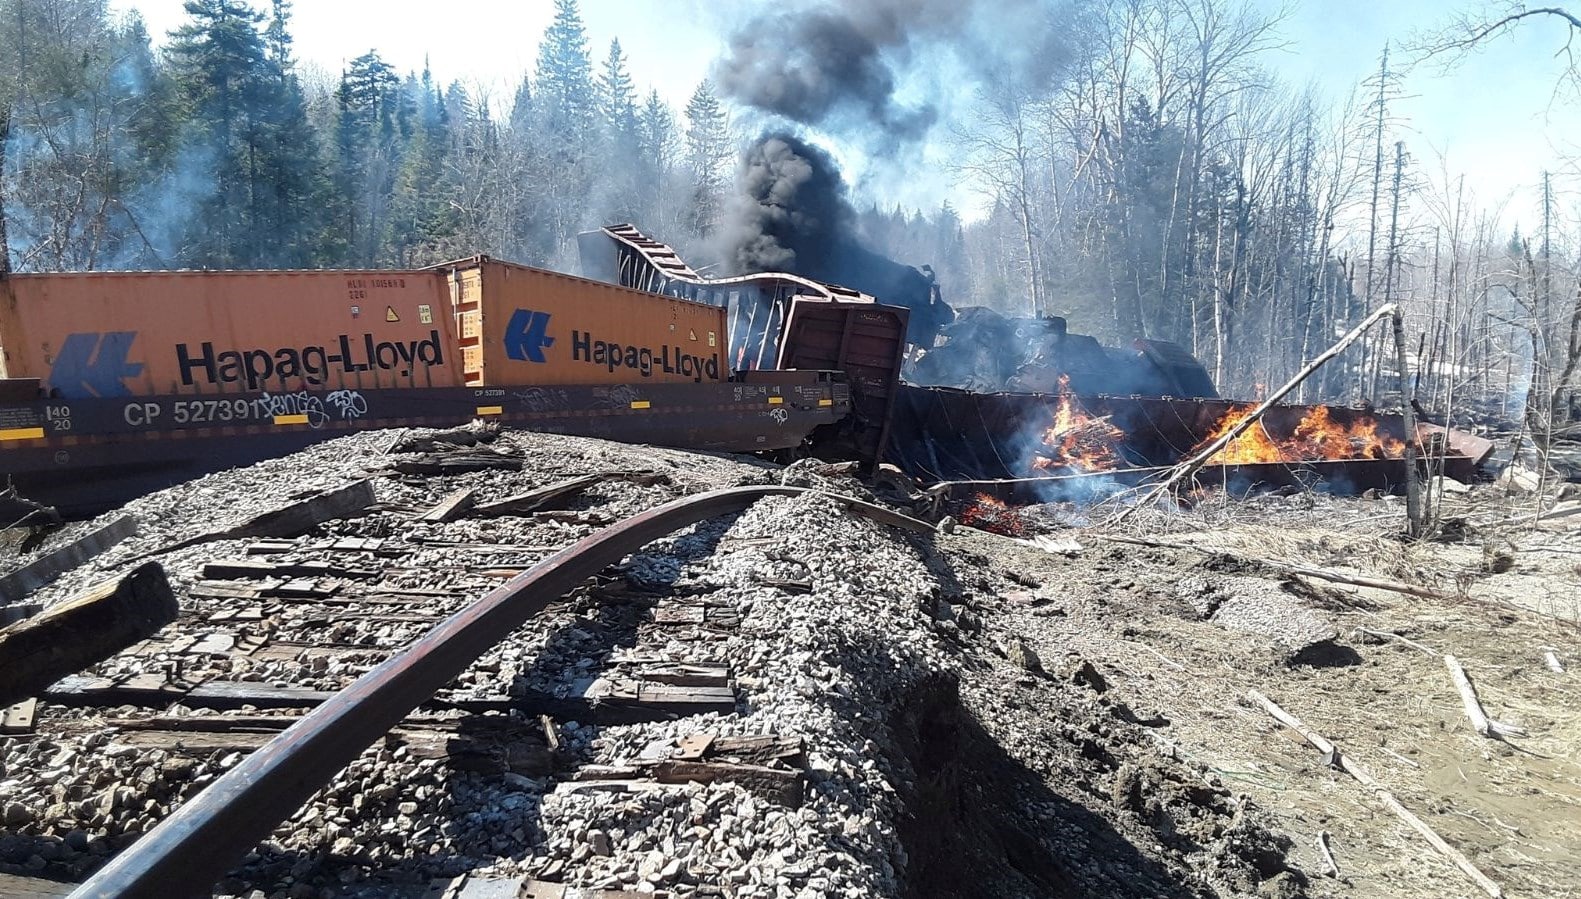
column 141, row 334
column 518, row 325
column 475, row 323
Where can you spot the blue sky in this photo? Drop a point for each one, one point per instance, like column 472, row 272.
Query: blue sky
column 1494, row 117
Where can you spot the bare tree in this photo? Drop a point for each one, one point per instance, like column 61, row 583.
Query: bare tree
column 1469, row 31
column 999, row 151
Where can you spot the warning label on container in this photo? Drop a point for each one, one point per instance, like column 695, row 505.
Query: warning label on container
column 390, row 314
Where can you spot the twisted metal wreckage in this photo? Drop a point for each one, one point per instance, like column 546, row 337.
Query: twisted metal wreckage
column 1022, row 410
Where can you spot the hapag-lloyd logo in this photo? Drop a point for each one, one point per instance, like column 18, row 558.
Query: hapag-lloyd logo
column 92, row 364
column 527, row 336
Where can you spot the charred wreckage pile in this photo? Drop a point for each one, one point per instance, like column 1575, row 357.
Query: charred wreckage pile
column 987, row 404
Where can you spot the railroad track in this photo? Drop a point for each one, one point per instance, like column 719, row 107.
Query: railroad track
column 296, row 622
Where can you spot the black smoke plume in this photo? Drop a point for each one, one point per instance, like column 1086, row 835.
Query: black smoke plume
column 821, row 64
column 838, row 65
column 791, row 214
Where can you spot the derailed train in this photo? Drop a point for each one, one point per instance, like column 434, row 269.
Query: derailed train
column 112, row 384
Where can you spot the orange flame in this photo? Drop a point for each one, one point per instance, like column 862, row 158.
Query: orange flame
column 1077, row 440
column 1318, row 438
column 990, row 514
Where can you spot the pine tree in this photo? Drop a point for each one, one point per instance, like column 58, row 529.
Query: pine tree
column 291, row 223
column 616, row 93
column 657, row 153
column 565, row 91
column 221, row 75
column 621, row 199
column 708, row 154
column 566, row 104
column 423, row 223
column 365, row 137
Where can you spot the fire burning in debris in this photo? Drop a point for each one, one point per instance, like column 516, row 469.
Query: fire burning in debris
column 1078, row 441
column 989, row 514
column 1318, row 438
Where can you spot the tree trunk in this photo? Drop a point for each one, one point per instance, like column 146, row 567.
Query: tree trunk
column 1413, row 483
column 5, row 136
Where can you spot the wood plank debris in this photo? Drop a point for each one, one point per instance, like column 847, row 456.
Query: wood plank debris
column 761, row 749
column 41, row 571
column 459, row 463
column 249, row 569
column 540, row 498
column 153, row 691
column 208, row 723
column 195, row 742
column 776, row 784
column 293, row 519
column 450, row 508
column 84, row 690
column 633, row 699
column 84, row 630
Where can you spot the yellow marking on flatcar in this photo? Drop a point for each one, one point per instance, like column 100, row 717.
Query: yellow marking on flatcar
column 826, row 402
column 776, row 400
column 290, row 419
column 22, row 434
column 640, row 404
column 491, row 410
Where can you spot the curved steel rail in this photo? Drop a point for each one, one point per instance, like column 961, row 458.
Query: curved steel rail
column 203, row 839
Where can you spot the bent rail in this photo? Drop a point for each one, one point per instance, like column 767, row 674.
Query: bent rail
column 203, row 839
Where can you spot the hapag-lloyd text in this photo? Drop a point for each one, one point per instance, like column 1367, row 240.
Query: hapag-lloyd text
column 313, row 364
column 669, row 358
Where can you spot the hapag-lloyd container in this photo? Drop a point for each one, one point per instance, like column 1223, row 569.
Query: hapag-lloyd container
column 107, row 334
column 474, row 323
column 518, row 325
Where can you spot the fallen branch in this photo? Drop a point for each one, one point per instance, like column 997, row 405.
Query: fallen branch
column 1367, row 780
column 1398, row 757
column 1191, row 466
column 1480, row 722
column 1397, row 638
column 1331, row 869
column 1358, row 580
